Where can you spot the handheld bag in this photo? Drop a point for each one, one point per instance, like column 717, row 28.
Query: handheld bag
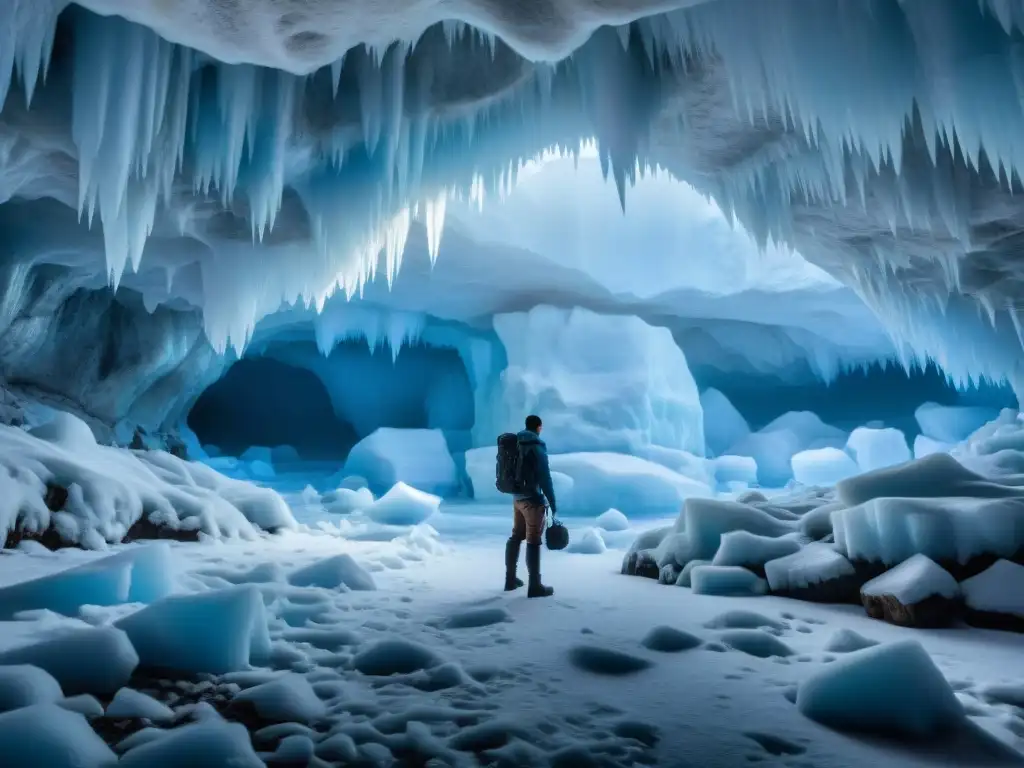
column 556, row 536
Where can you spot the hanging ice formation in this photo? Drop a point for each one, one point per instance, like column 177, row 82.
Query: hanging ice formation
column 927, row 97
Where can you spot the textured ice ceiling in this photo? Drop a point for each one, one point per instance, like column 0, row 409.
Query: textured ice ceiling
column 234, row 155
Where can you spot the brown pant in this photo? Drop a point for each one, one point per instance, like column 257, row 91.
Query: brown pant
column 528, row 520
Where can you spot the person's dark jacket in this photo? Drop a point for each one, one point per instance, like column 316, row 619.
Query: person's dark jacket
column 530, row 441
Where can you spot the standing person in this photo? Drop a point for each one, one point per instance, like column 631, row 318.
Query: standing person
column 529, row 511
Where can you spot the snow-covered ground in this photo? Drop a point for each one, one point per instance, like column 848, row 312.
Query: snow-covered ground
column 484, row 677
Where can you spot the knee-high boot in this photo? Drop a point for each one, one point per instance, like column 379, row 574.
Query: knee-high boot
column 536, row 588
column 511, row 563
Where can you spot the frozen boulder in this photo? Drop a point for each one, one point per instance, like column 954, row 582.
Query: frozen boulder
column 48, row 736
column 417, row 457
column 848, row 641
column 22, row 685
column 952, row 423
column 213, row 632
column 68, row 431
column 612, row 520
column 752, row 551
column 950, row 530
column 726, row 581
column 823, row 466
column 403, row 505
column 995, row 597
column 637, row 487
column 333, row 573
column 345, row 501
column 926, row 446
column 877, row 448
column 601, row 382
column 817, row 524
column 704, row 521
column 287, row 699
column 774, row 446
column 685, row 577
column 129, row 703
column 916, row 593
column 723, row 424
column 816, row 572
column 211, row 743
column 935, row 476
column 111, row 659
column 731, row 470
column 892, row 690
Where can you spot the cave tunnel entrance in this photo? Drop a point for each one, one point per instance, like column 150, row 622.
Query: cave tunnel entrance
column 262, row 401
column 880, row 394
column 291, row 394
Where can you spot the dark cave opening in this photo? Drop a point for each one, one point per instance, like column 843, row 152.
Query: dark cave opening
column 262, row 401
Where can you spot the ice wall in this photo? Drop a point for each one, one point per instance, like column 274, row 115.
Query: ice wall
column 244, row 186
column 600, row 383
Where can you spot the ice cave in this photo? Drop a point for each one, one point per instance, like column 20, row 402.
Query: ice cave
column 320, row 322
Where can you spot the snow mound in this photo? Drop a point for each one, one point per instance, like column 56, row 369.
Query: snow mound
column 817, row 524
column 129, row 703
column 214, row 632
column 669, row 640
column 734, row 469
column 110, row 489
column 66, row 430
column 138, row 575
column 998, row 589
column 935, row 476
column 926, row 446
column 848, row 641
column 952, row 423
column 726, row 581
column 912, row 581
column 288, row 699
column 22, row 685
column 893, row 689
column 403, row 505
column 724, row 426
column 812, row 564
column 612, row 520
column 774, row 446
column 48, row 736
column 893, row 530
column 332, row 573
column 823, row 466
column 589, row 542
column 417, row 457
column 638, row 487
column 395, row 657
column 745, row 548
column 606, row 661
column 83, row 704
column 479, row 617
column 877, row 448
column 209, row 744
column 755, row 642
column 345, row 501
column 111, row 659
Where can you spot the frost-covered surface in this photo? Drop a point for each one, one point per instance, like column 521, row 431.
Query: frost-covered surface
column 417, row 457
column 912, row 581
column 812, row 565
column 110, row 489
column 998, row 589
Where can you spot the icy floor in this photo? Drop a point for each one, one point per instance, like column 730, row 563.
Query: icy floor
column 530, row 671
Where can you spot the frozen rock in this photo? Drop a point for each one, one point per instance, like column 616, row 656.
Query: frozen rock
column 877, row 448
column 995, row 597
column 287, row 699
column 816, row 572
column 751, row 551
column 952, row 424
column 731, row 470
column 755, row 642
column 704, row 521
column 403, row 505
column 848, row 641
column 893, row 689
column 129, row 703
column 926, row 446
column 22, row 685
column 417, row 457
column 111, row 659
column 48, row 736
column 344, row 501
column 916, row 593
column 726, row 581
column 823, row 466
column 588, row 543
column 207, row 744
column 215, row 632
column 686, row 574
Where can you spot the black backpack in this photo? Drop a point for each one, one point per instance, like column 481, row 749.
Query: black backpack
column 515, row 466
